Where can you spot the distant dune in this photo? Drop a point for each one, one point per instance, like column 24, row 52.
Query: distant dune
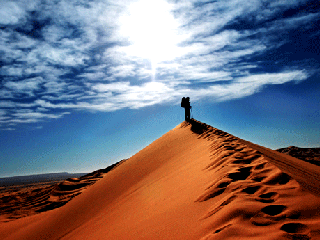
column 195, row 182
column 28, row 195
column 311, row 155
column 47, row 177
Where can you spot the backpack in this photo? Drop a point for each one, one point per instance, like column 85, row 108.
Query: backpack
column 185, row 102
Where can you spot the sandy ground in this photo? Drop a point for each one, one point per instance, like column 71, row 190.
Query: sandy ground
column 195, row 182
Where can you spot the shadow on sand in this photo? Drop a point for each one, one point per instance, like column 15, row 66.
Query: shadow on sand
column 196, row 126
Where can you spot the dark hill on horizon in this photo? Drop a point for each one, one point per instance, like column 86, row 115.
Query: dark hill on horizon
column 35, row 178
column 310, row 155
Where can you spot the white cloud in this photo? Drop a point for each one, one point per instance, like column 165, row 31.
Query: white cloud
column 5, row 94
column 285, row 4
column 55, row 87
column 273, row 78
column 54, row 33
column 2, row 112
column 95, row 76
column 112, row 87
column 122, row 71
column 110, row 55
column 19, row 116
column 127, row 96
column 41, row 109
column 8, row 129
column 37, row 115
column 7, row 104
column 25, row 86
column 245, row 86
column 61, row 56
column 11, row 70
column 10, row 12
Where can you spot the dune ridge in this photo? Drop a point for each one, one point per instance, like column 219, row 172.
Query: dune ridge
column 194, row 182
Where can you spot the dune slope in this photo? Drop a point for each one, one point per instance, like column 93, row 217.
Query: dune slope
column 195, row 182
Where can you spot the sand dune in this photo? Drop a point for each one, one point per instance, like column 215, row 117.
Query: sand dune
column 195, row 182
column 23, row 200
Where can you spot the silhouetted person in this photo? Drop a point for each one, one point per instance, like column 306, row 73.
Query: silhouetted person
column 185, row 103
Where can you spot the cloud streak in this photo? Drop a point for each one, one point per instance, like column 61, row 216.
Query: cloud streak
column 61, row 56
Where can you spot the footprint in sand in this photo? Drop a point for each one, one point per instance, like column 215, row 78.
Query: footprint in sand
column 293, row 214
column 222, row 228
column 241, row 174
column 259, row 174
column 267, row 197
column 273, row 210
column 296, row 231
column 279, row 178
column 246, row 159
column 260, row 166
column 258, row 178
column 269, row 215
column 219, row 205
column 211, row 236
column 214, row 190
column 251, row 189
column 229, row 147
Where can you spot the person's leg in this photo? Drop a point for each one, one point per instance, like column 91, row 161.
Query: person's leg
column 187, row 114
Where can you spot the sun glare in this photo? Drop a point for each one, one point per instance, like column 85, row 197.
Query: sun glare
column 151, row 30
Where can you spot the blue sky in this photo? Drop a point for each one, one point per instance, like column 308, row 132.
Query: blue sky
column 87, row 83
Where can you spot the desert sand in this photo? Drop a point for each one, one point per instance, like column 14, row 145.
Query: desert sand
column 20, row 199
column 195, row 182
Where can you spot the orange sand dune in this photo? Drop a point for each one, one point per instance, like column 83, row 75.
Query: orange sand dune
column 195, row 182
